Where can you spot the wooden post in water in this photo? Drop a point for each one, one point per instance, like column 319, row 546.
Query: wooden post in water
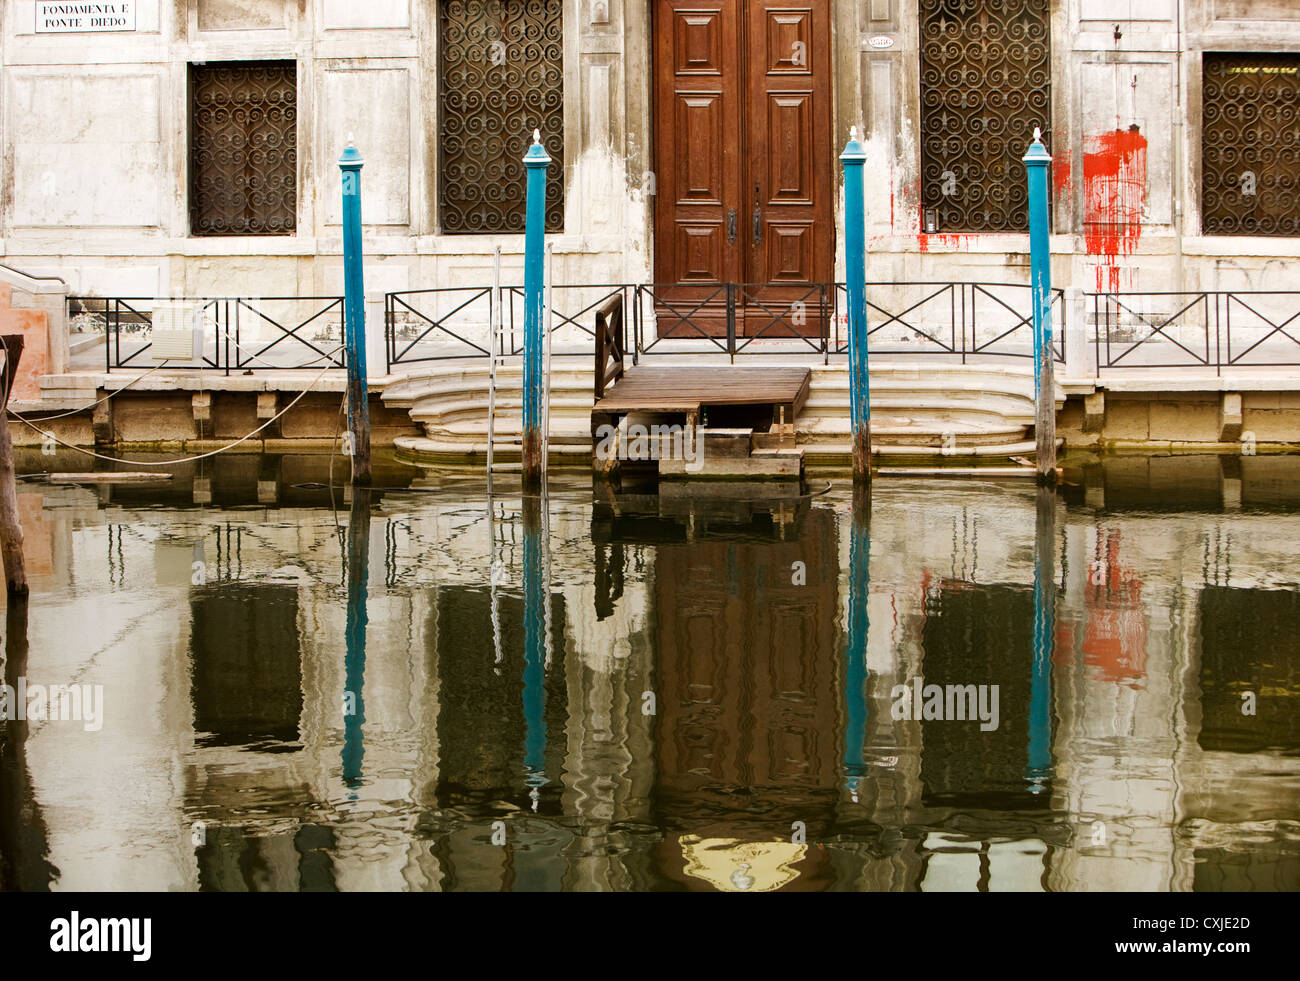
column 534, row 444
column 855, row 278
column 11, row 529
column 354, row 316
column 1036, row 161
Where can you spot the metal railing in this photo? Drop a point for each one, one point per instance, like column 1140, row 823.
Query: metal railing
column 456, row 321
column 573, row 311
column 959, row 320
column 1208, row 329
column 438, row 324
column 246, row 334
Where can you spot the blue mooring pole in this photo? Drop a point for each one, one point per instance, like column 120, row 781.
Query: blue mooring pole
column 855, row 277
column 354, row 316
column 1036, row 161
column 534, row 447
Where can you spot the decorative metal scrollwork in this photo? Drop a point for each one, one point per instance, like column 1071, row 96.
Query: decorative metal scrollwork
column 501, row 76
column 1250, row 144
column 985, row 85
column 243, row 148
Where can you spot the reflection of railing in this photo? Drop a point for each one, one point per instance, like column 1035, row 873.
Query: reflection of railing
column 1202, row 330
column 960, row 320
column 230, row 333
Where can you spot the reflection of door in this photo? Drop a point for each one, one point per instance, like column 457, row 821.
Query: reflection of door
column 747, row 731
column 743, row 159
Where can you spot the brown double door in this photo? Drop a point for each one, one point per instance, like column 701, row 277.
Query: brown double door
column 744, row 163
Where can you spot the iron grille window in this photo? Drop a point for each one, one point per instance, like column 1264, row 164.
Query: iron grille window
column 985, row 85
column 501, row 76
column 243, row 148
column 1250, row 144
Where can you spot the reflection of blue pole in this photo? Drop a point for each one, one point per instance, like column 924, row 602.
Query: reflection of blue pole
column 354, row 316
column 354, row 660
column 854, row 158
column 855, row 655
column 535, row 599
column 535, row 161
column 1036, row 161
column 1038, row 766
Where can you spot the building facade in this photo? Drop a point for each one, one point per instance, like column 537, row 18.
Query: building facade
column 189, row 147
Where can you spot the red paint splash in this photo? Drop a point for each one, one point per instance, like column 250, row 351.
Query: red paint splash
column 946, row 240
column 1061, row 176
column 1115, row 180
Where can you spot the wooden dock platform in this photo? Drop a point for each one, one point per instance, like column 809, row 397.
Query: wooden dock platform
column 731, row 422
column 689, row 390
column 741, row 421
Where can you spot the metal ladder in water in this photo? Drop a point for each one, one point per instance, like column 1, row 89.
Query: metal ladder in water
column 498, row 356
column 499, row 542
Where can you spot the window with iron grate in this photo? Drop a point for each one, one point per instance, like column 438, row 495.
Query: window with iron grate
column 985, row 86
column 501, row 75
column 243, row 148
column 1250, row 144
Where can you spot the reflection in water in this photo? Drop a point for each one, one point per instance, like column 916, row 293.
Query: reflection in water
column 1038, row 769
column 24, row 843
column 537, row 619
column 855, row 648
column 354, row 703
column 654, row 692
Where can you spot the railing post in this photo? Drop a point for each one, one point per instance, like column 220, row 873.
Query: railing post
column 731, row 321
column 548, row 317
column 376, row 344
column 534, row 445
column 354, row 319
column 854, row 158
column 1077, row 364
column 390, row 333
column 1040, row 276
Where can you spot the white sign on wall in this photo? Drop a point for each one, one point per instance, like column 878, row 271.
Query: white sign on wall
column 69, row 16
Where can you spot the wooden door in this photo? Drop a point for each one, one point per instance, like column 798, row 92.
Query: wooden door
column 743, row 163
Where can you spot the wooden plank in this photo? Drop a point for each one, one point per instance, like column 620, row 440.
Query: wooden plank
column 958, row 472
column 687, row 389
column 109, row 477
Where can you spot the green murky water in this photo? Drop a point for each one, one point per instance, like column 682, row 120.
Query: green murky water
column 637, row 692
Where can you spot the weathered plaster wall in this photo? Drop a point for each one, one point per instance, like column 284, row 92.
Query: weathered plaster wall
column 93, row 147
column 93, row 182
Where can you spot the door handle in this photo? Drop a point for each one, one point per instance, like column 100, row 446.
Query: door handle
column 731, row 225
column 758, row 217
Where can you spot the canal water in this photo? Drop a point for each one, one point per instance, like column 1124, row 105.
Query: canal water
column 949, row 685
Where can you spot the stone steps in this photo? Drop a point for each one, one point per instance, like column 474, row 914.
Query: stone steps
column 952, row 409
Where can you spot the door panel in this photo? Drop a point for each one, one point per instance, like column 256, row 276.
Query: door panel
column 698, row 127
column 743, row 151
column 787, row 140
